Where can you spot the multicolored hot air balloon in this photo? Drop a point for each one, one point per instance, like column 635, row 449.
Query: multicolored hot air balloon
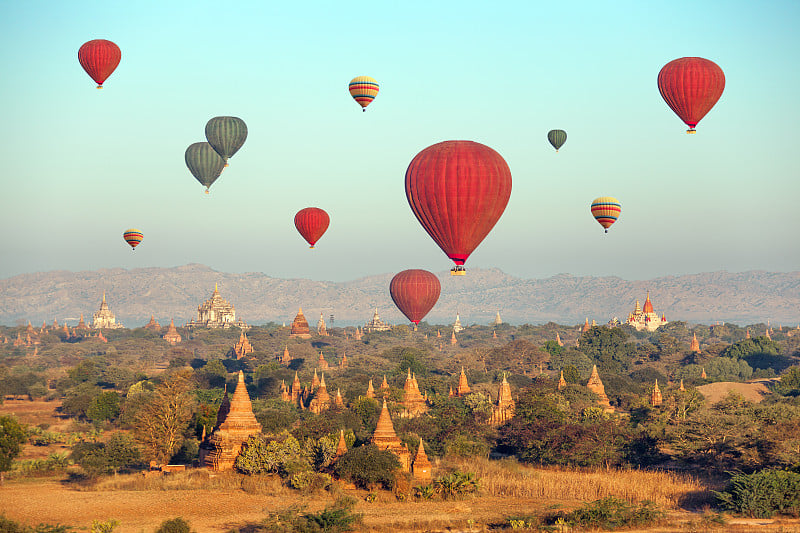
column 226, row 135
column 458, row 190
column 606, row 210
column 557, row 138
column 311, row 222
column 363, row 89
column 415, row 292
column 99, row 58
column 204, row 163
column 691, row 86
column 133, row 237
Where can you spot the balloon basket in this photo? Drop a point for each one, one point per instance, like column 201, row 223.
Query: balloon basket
column 207, row 192
column 691, row 131
column 99, row 86
column 458, row 271
column 311, row 247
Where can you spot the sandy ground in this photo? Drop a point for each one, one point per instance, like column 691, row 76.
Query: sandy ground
column 751, row 390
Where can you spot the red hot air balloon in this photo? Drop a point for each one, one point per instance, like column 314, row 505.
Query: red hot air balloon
column 99, row 58
column 691, row 86
column 415, row 292
column 311, row 222
column 458, row 190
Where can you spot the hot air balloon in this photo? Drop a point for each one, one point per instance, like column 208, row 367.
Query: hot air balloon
column 204, row 163
column 363, row 89
column 415, row 292
column 311, row 222
column 606, row 210
column 557, row 138
column 133, row 237
column 99, row 58
column 458, row 190
column 226, row 135
column 691, row 86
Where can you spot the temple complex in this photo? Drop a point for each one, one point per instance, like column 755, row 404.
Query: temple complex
column 321, row 400
column 300, row 327
column 656, row 398
column 414, row 403
column 321, row 329
column 104, row 318
column 153, row 325
column 216, row 313
column 172, row 336
column 596, row 386
column 457, row 327
column 243, row 347
column 644, row 317
column 504, row 410
column 497, row 320
column 376, row 324
column 323, row 364
column 695, row 347
column 422, row 466
column 386, row 439
column 220, row 450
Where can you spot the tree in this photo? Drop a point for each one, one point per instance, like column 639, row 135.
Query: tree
column 104, row 406
column 162, row 419
column 368, row 465
column 755, row 345
column 610, row 348
column 12, row 436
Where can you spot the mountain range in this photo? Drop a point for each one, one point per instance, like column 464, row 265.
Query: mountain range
column 134, row 295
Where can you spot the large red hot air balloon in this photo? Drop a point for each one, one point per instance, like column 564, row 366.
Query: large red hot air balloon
column 99, row 58
column 691, row 86
column 458, row 190
column 311, row 222
column 415, row 292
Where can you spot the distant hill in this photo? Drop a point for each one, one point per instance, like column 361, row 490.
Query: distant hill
column 133, row 295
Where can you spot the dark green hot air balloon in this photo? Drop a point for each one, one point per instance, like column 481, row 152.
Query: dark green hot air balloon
column 204, row 163
column 226, row 135
column 557, row 138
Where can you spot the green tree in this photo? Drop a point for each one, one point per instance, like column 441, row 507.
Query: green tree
column 283, row 455
column 104, row 406
column 755, row 345
column 12, row 436
column 162, row 419
column 610, row 348
column 571, row 374
column 367, row 466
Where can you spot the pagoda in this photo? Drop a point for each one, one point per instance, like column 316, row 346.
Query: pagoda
column 414, row 403
column 422, row 466
column 695, row 347
column 296, row 390
column 338, row 400
column 300, row 327
column 341, row 448
column 104, row 318
column 656, row 398
column 314, row 381
column 370, row 390
column 323, row 364
column 376, row 324
column 172, row 336
column 216, row 313
column 220, row 450
column 243, row 347
column 645, row 317
column 453, row 340
column 504, row 410
column 322, row 400
column 82, row 325
column 343, row 360
column 596, row 386
column 562, row 383
column 386, row 439
column 286, row 358
column 497, row 320
column 586, row 326
column 457, row 327
column 703, row 374
column 558, row 339
column 153, row 325
column 462, row 389
column 322, row 331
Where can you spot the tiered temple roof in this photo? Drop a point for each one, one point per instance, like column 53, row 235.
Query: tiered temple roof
column 414, row 403
column 341, row 448
column 376, row 324
column 656, row 398
column 695, row 347
column 172, row 336
column 286, row 358
column 596, row 386
column 457, row 327
column 153, row 325
column 370, row 390
column 322, row 399
column 453, row 340
column 338, row 400
column 321, row 329
column 243, row 347
column 323, row 364
column 645, row 318
column 422, row 466
column 81, row 324
column 223, row 446
column 386, row 439
column 497, row 320
column 462, row 389
column 216, row 312
column 300, row 326
column 104, row 318
column 562, row 383
column 504, row 410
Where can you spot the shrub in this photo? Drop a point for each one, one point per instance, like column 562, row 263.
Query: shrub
column 335, row 518
column 367, row 465
column 285, row 457
column 611, row 513
column 762, row 494
column 455, row 485
column 104, row 527
column 174, row 525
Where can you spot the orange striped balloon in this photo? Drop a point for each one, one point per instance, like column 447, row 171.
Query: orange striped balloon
column 133, row 237
column 363, row 89
column 606, row 210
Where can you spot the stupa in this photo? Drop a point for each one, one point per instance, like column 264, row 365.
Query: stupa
column 300, row 326
column 656, row 398
column 81, row 324
column 172, row 336
column 596, row 386
column 370, row 390
column 504, row 410
column 286, row 358
column 338, row 400
column 104, row 318
column 223, row 446
column 695, row 346
column 321, row 329
column 243, row 347
column 422, row 466
column 497, row 320
column 386, row 439
column 153, row 325
column 322, row 399
column 323, row 364
column 562, row 383
column 413, row 402
column 462, row 389
column 457, row 327
column 558, row 339
column 453, row 340
column 341, row 448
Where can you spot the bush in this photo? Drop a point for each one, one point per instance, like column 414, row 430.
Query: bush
column 367, row 465
column 335, row 518
column 10, row 526
column 455, row 485
column 610, row 513
column 174, row 525
column 762, row 494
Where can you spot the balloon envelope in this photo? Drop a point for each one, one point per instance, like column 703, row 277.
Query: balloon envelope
column 226, row 135
column 311, row 222
column 133, row 237
column 691, row 86
column 99, row 58
column 606, row 210
column 415, row 292
column 204, row 163
column 363, row 89
column 458, row 190
column 557, row 138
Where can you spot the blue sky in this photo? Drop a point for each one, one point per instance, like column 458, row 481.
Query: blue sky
column 82, row 165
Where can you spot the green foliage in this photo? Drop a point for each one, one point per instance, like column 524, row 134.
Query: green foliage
column 31, row 467
column 10, row 526
column 174, row 525
column 163, row 417
column 571, row 374
column 121, row 451
column 335, row 518
column 477, row 402
column 553, row 348
column 79, row 400
column 789, row 384
column 367, row 465
column 610, row 513
column 755, row 345
column 108, row 526
column 104, row 406
column 12, row 437
column 762, row 494
column 610, row 348
column 455, row 485
column 284, row 456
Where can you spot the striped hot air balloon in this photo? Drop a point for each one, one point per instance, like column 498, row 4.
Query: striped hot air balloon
column 691, row 86
column 133, row 237
column 557, row 138
column 415, row 292
column 204, row 163
column 363, row 89
column 99, row 58
column 606, row 210
column 311, row 222
column 226, row 135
